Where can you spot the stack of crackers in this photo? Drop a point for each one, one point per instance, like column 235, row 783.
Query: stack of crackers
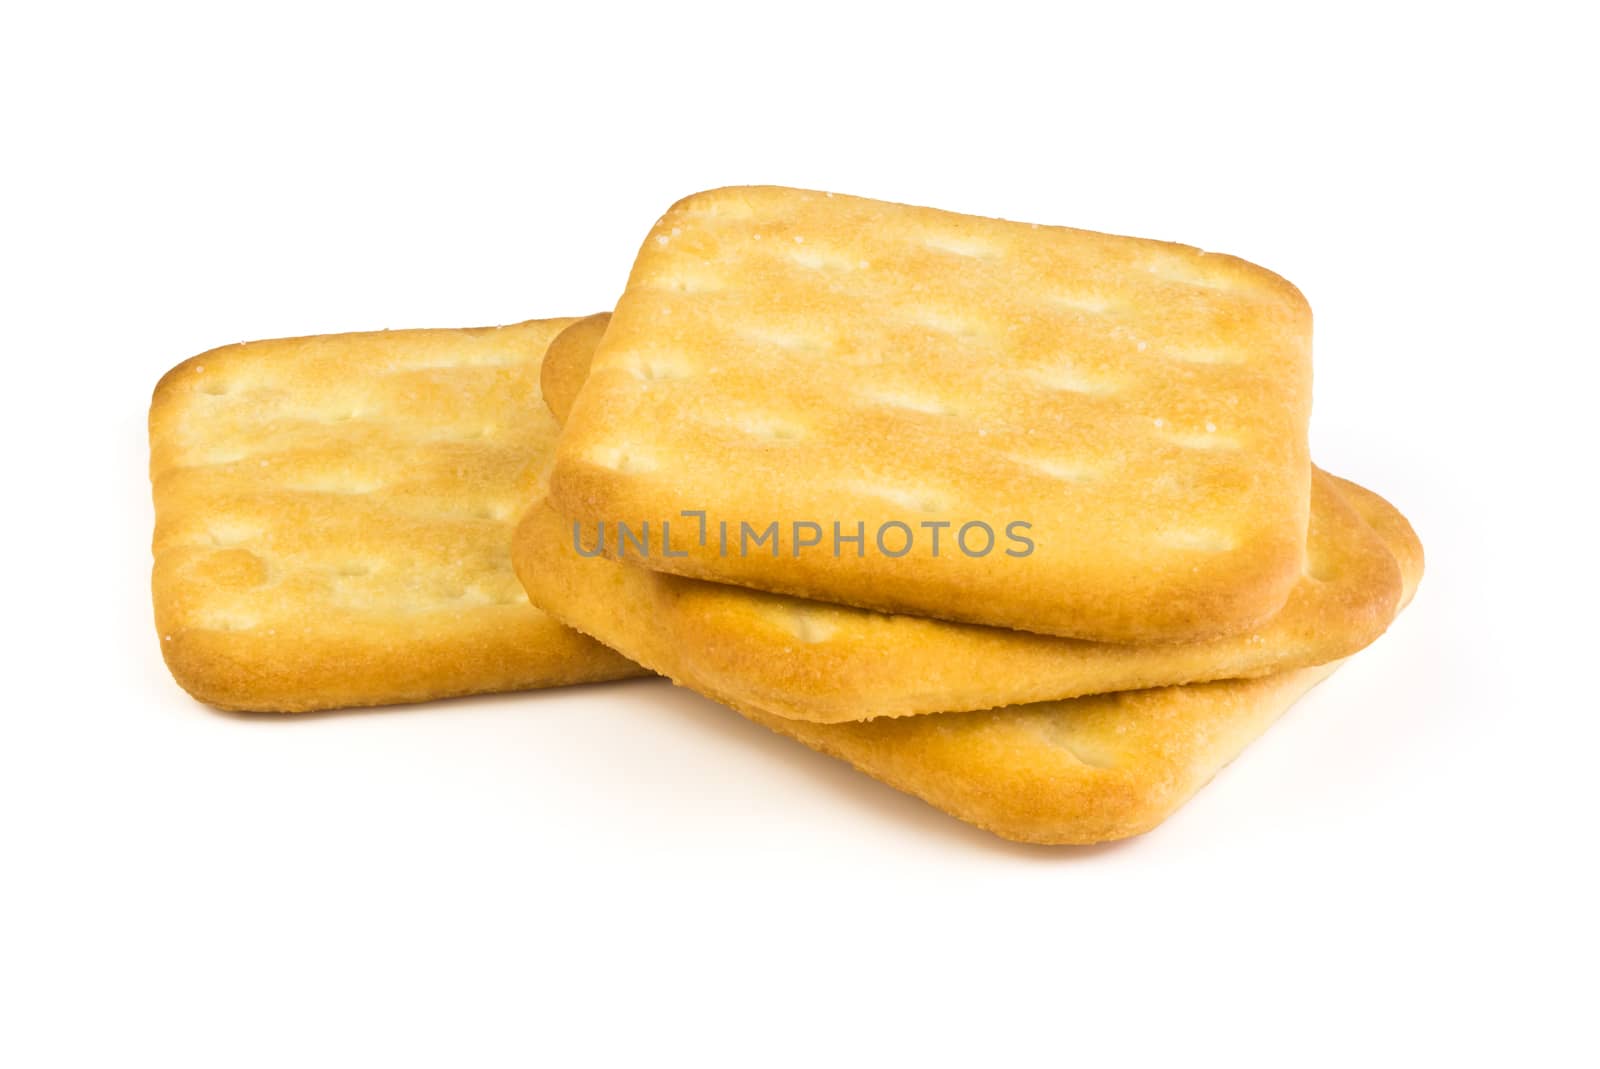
column 1018, row 519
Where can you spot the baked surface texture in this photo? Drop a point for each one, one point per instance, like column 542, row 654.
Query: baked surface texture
column 811, row 660
column 333, row 515
column 788, row 356
column 1085, row 770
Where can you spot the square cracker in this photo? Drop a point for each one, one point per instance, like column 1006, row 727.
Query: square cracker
column 810, row 660
column 790, row 356
column 333, row 515
column 1089, row 769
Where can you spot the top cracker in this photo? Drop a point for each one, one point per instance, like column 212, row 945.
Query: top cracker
column 1031, row 427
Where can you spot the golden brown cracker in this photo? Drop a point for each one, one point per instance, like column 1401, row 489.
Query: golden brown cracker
column 809, row 660
column 1085, row 770
column 333, row 515
column 1091, row 769
column 794, row 357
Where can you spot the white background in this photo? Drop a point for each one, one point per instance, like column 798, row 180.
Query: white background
column 1402, row 869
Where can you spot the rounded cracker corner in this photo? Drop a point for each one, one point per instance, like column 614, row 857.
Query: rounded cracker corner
column 192, row 369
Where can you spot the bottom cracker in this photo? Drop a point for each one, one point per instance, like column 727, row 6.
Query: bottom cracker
column 1092, row 769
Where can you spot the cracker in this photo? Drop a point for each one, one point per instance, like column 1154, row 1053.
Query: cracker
column 811, row 660
column 333, row 515
column 788, row 356
column 1089, row 769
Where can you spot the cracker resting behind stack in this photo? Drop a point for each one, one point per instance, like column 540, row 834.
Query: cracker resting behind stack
column 333, row 517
